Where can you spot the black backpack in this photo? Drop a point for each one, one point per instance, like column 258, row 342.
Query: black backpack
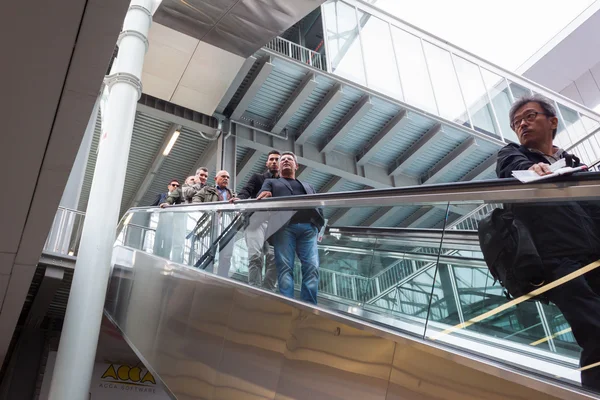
column 510, row 253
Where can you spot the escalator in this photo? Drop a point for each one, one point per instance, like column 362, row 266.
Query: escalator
column 399, row 315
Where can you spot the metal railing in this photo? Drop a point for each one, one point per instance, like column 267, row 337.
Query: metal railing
column 65, row 233
column 297, row 52
column 470, row 221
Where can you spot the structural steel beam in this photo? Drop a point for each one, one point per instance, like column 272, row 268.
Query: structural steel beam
column 342, row 219
column 257, row 80
column 155, row 166
column 337, row 215
column 207, row 159
column 482, row 169
column 334, row 185
column 304, row 89
column 456, row 156
column 411, row 219
column 349, row 121
column 416, row 150
column 380, row 215
column 334, row 163
column 383, row 137
column 303, row 172
column 420, row 216
column 179, row 115
column 247, row 164
column 235, row 84
column 324, row 108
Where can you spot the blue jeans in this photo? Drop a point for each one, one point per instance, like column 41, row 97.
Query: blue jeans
column 298, row 239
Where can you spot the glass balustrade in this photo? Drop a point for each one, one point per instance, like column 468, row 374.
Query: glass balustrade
column 424, row 276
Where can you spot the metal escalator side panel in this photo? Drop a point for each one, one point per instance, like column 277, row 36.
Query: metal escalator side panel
column 209, row 337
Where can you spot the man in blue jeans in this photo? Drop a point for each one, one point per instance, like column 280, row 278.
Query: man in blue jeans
column 298, row 236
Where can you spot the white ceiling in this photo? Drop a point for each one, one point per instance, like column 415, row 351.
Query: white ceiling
column 569, row 55
column 186, row 71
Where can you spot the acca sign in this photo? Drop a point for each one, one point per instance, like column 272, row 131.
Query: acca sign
column 114, row 382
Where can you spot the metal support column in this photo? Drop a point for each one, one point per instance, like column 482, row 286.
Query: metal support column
column 79, row 339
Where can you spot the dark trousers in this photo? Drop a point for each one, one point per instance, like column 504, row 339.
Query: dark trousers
column 579, row 301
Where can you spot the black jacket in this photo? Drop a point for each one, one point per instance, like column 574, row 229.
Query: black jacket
column 559, row 229
column 281, row 188
column 252, row 187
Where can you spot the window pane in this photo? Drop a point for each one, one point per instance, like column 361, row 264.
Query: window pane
column 519, row 91
column 445, row 84
column 562, row 139
column 343, row 41
column 475, row 95
column 498, row 90
column 590, row 124
column 574, row 124
column 413, row 70
column 382, row 73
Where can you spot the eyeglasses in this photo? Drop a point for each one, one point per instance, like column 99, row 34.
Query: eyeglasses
column 174, row 184
column 529, row 117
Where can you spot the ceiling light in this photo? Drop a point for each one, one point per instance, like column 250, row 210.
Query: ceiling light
column 171, row 143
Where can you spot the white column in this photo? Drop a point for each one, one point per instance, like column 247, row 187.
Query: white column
column 79, row 339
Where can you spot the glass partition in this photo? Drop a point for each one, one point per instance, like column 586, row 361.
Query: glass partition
column 445, row 84
column 380, row 62
column 343, row 40
column 436, row 77
column 429, row 280
column 413, row 70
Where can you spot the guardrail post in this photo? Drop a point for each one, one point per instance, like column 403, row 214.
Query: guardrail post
column 334, row 284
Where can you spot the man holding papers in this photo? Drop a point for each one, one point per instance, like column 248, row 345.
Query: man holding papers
column 566, row 235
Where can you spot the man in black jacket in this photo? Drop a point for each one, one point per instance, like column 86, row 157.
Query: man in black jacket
column 566, row 234
column 297, row 235
column 172, row 196
column 258, row 247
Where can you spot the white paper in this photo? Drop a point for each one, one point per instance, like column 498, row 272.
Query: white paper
column 558, row 168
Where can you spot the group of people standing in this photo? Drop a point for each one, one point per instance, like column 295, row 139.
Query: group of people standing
column 273, row 239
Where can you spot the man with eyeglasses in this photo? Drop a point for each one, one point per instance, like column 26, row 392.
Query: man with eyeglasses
column 219, row 192
column 172, row 196
column 566, row 234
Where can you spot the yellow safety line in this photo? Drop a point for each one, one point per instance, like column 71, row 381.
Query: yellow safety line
column 550, row 337
column 589, row 366
column 520, row 299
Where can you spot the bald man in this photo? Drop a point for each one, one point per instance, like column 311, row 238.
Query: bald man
column 220, row 192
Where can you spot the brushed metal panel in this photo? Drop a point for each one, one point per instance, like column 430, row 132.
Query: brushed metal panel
column 142, row 308
column 253, row 352
column 329, row 360
column 169, row 348
column 198, row 365
column 211, row 338
column 421, row 375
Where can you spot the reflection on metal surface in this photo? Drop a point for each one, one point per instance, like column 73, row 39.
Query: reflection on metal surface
column 519, row 300
column 210, row 338
column 238, row 26
column 424, row 376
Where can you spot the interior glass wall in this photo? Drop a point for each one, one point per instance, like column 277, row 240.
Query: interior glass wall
column 343, row 41
column 383, row 53
column 382, row 73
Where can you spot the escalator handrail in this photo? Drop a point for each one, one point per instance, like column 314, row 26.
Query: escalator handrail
column 575, row 187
